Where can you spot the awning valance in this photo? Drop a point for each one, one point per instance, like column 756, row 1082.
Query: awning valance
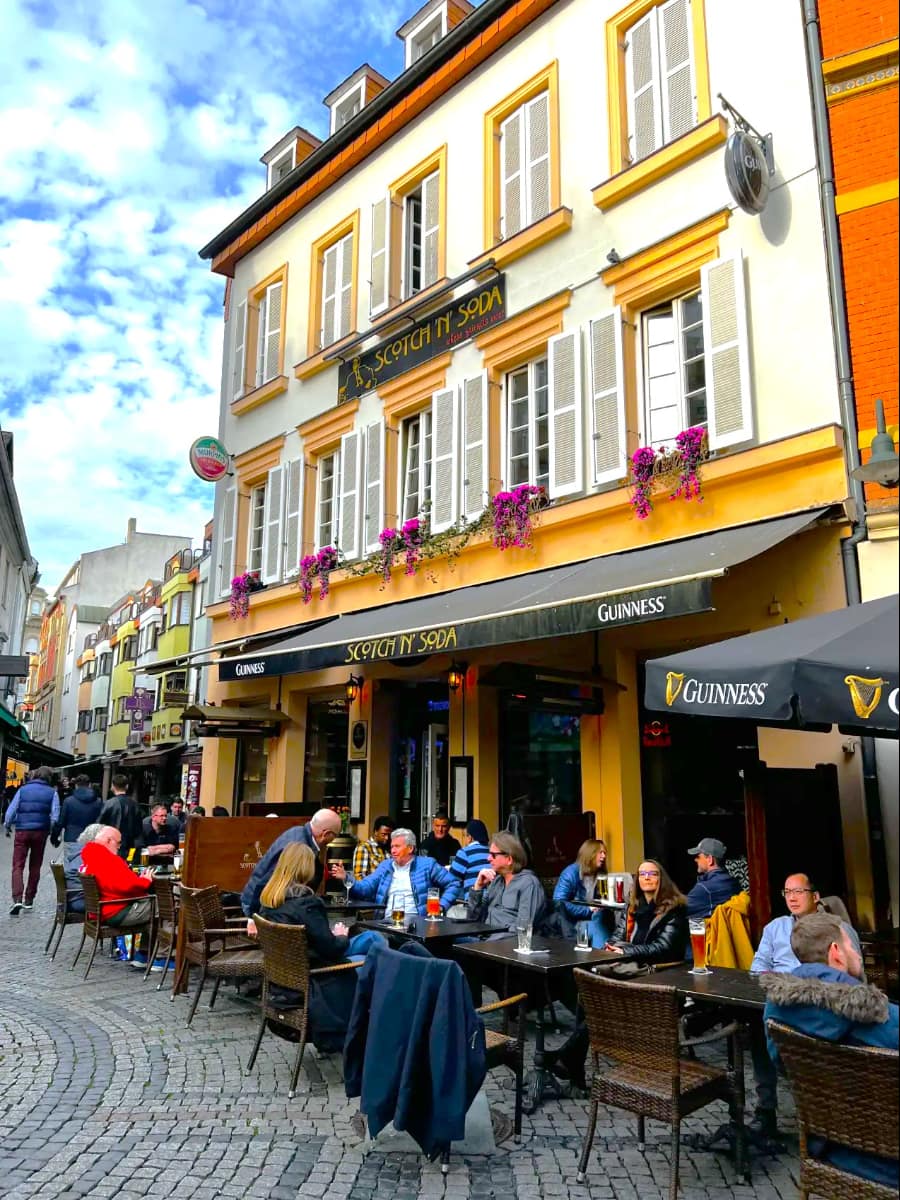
column 213, row 720
column 667, row 580
column 36, row 754
column 153, row 757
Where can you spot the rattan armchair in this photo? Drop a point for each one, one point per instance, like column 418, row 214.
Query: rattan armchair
column 96, row 928
column 215, row 944
column 286, row 965
column 62, row 915
column 636, row 1028
column 847, row 1095
column 166, row 926
column 508, row 1050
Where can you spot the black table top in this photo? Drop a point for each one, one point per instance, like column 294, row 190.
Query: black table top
column 337, row 904
column 556, row 954
column 724, row 985
column 420, row 929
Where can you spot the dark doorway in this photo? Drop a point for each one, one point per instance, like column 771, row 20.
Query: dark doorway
column 421, row 755
column 540, row 759
column 325, row 761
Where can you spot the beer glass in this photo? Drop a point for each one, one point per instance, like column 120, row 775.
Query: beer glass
column 398, row 913
column 583, row 936
column 698, row 946
column 433, row 904
column 145, row 857
column 602, row 889
column 523, row 939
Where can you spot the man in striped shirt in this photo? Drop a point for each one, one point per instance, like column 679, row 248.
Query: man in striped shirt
column 371, row 853
column 472, row 857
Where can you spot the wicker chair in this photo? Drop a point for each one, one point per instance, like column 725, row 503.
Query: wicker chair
column 166, row 926
column 61, row 916
column 636, row 1027
column 286, row 964
column 508, row 1050
column 845, row 1094
column 215, row 944
column 97, row 929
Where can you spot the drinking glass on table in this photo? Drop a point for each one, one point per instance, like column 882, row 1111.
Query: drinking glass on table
column 698, row 946
column 523, row 936
column 348, row 882
column 433, row 904
column 583, row 936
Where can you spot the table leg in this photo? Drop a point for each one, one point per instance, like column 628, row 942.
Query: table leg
column 539, row 1082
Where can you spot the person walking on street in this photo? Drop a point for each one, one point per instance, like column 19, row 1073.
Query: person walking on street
column 80, row 809
column 33, row 812
column 122, row 812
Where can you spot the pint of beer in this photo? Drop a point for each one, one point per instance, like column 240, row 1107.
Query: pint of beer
column 145, row 857
column 698, row 946
column 433, row 904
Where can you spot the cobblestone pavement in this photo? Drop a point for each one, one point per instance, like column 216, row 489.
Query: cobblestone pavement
column 104, row 1092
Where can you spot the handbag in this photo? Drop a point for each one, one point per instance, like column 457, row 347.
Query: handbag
column 623, row 970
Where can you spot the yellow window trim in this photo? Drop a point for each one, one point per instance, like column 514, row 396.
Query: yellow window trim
column 399, row 190
column 617, row 28
column 321, row 360
column 412, row 391
column 871, row 81
column 658, row 272
column 519, row 338
column 255, row 295
column 252, row 466
column 322, row 433
column 265, row 391
column 546, row 80
column 350, row 225
column 867, row 197
column 527, row 239
column 690, row 146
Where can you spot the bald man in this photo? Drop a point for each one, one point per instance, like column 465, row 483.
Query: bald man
column 321, row 829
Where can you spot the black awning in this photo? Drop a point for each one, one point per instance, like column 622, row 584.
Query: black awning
column 36, row 754
column 838, row 668
column 650, row 584
column 213, row 720
column 154, row 757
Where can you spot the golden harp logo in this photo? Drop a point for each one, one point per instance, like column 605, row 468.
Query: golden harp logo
column 674, row 684
column 864, row 693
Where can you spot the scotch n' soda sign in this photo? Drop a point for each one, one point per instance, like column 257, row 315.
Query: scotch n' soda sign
column 434, row 334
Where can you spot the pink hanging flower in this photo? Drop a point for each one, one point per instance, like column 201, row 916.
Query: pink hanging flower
column 512, row 516
column 691, row 445
column 642, row 462
column 241, row 587
column 326, row 562
column 308, row 570
column 390, row 541
column 412, row 535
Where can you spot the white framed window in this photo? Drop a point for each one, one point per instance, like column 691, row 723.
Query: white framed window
column 421, row 230
column 256, row 528
column 528, row 425
column 99, row 719
column 180, row 609
column 674, row 369
column 428, row 34
column 416, row 465
column 328, row 500
column 337, row 292
column 347, row 106
column 660, row 88
column 525, row 165
column 282, row 166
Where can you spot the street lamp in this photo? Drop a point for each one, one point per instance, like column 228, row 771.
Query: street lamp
column 883, row 466
column 353, row 687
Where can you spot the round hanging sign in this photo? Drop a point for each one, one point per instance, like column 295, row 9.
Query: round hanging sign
column 209, row 459
column 746, row 172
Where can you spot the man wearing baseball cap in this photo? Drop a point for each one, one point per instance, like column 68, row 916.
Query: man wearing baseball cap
column 714, row 884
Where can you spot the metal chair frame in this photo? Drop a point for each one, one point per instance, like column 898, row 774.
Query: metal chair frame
column 95, row 927
column 214, row 943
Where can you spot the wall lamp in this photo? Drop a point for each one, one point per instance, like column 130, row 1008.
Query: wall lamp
column 354, row 687
column 883, row 466
column 456, row 676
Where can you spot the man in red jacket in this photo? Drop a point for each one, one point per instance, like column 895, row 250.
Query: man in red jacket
column 116, row 880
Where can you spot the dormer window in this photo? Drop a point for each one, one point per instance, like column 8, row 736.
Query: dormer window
column 347, row 108
column 429, row 24
column 427, row 36
column 351, row 96
column 281, row 166
column 287, row 153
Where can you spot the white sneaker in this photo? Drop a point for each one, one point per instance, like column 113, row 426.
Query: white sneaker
column 16, row 908
column 27, row 907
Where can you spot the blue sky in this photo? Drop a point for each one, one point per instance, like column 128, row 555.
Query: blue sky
column 130, row 133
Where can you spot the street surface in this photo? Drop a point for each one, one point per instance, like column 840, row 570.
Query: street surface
column 104, row 1092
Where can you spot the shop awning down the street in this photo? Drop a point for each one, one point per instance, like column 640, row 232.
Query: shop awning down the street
column 667, row 580
column 838, row 668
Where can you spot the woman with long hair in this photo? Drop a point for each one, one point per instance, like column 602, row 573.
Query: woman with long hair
column 654, row 926
column 577, row 885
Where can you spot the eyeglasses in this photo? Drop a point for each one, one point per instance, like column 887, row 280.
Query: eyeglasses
column 497, row 854
column 794, row 891
column 648, row 874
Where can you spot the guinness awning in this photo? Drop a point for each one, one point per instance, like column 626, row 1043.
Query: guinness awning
column 838, row 668
column 650, row 584
column 213, row 720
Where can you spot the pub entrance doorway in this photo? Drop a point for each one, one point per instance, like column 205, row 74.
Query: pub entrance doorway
column 421, row 755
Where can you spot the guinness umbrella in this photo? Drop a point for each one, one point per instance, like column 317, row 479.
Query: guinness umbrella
column 839, row 668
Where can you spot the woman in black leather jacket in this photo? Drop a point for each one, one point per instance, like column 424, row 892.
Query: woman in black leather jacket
column 654, row 927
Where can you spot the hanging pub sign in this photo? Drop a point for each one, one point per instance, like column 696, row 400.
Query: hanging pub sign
column 439, row 331
column 209, row 459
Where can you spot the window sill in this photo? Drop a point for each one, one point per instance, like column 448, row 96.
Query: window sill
column 322, row 360
column 265, row 391
column 699, row 141
column 528, row 239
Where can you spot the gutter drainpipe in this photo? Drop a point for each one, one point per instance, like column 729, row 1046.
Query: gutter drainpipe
column 847, row 401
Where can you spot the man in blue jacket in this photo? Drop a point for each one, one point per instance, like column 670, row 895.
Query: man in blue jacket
column 403, row 880
column 714, row 884
column 33, row 811
column 825, row 997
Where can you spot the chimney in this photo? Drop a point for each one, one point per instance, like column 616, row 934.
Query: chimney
column 132, row 530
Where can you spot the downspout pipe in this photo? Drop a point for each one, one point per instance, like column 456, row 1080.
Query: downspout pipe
column 847, row 402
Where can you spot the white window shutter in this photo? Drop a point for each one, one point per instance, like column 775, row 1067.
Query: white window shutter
column 240, row 338
column 677, row 82
column 379, row 283
column 431, row 227
column 608, row 441
column 327, row 333
column 373, row 519
column 444, row 426
column 511, row 175
column 642, row 88
column 272, row 343
column 475, row 447
column 271, row 547
column 538, row 148
column 259, row 373
column 729, row 400
column 351, row 463
column 565, row 406
column 345, row 313
column 226, row 540
column 293, row 516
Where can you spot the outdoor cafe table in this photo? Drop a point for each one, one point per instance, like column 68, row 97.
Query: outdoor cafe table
column 437, row 935
column 550, row 959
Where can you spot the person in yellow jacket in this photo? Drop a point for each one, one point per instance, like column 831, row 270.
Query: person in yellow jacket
column 728, row 934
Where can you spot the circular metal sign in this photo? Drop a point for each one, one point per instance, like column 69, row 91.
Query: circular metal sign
column 746, row 172
column 209, row 459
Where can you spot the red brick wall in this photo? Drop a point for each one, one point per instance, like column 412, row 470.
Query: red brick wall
column 864, row 138
column 849, row 25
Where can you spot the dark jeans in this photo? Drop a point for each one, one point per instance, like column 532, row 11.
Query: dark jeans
column 29, row 847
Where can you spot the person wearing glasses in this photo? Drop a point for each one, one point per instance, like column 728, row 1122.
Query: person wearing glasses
column 654, row 926
column 506, row 895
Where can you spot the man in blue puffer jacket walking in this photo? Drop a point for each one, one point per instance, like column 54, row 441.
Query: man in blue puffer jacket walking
column 33, row 812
